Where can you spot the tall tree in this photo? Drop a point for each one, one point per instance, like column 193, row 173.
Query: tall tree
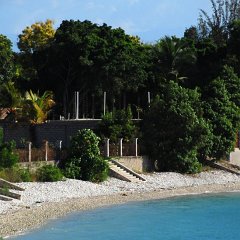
column 222, row 115
column 37, row 36
column 232, row 83
column 7, row 69
column 92, row 59
column 171, row 58
column 216, row 25
column 33, row 39
column 174, row 130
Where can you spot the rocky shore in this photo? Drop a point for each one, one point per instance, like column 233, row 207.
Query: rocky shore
column 43, row 201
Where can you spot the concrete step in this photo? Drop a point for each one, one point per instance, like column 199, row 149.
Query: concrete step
column 122, row 174
column 5, row 193
column 225, row 166
column 4, row 198
column 6, row 184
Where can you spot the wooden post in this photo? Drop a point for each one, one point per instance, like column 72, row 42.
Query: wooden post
column 120, row 145
column 136, row 147
column 29, row 152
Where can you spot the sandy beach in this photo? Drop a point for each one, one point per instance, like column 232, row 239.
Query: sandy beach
column 42, row 202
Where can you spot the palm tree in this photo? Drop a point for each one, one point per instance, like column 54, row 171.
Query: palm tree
column 173, row 54
column 10, row 100
column 42, row 105
column 216, row 25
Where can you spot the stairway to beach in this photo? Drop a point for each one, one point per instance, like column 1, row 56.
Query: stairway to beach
column 120, row 171
column 5, row 193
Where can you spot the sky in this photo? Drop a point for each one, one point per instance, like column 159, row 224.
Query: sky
column 148, row 19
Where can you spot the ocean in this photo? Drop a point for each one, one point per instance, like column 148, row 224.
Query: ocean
column 199, row 217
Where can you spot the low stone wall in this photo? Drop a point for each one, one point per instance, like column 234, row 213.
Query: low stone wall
column 33, row 166
column 138, row 164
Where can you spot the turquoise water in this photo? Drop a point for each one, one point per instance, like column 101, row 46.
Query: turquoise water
column 193, row 217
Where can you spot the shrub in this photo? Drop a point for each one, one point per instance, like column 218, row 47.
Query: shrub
column 49, row 173
column 72, row 169
column 16, row 174
column 118, row 124
column 25, row 175
column 84, row 160
column 8, row 158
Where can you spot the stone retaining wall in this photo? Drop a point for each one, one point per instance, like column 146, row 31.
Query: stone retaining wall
column 138, row 164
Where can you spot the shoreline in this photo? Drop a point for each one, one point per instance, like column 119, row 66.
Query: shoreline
column 24, row 219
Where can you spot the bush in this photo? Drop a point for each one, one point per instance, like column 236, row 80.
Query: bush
column 84, row 161
column 8, row 158
column 16, row 174
column 25, row 175
column 118, row 124
column 49, row 173
column 72, row 168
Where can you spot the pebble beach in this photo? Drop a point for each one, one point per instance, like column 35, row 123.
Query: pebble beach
column 41, row 202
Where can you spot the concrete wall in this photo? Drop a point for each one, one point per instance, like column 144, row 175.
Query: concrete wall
column 138, row 164
column 16, row 132
column 52, row 131
column 234, row 157
column 33, row 166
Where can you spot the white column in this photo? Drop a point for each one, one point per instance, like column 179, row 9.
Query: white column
column 104, row 103
column 29, row 152
column 120, row 146
column 60, row 145
column 149, row 98
column 77, row 105
column 136, row 147
column 46, row 150
column 107, row 147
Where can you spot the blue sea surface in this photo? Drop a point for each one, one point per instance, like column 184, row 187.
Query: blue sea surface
column 190, row 217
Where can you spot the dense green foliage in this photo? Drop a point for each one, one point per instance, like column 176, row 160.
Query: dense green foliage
column 118, row 124
column 200, row 72
column 8, row 158
column 174, row 131
column 91, row 59
column 16, row 174
column 49, row 173
column 7, row 69
column 84, row 161
column 223, row 116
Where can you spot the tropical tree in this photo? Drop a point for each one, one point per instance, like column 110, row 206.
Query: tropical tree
column 174, row 130
column 171, row 58
column 42, row 105
column 233, row 46
column 118, row 124
column 11, row 99
column 7, row 69
column 36, row 37
column 91, row 59
column 232, row 84
column 222, row 115
column 217, row 25
column 33, row 39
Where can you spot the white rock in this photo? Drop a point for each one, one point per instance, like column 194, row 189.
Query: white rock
column 37, row 193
